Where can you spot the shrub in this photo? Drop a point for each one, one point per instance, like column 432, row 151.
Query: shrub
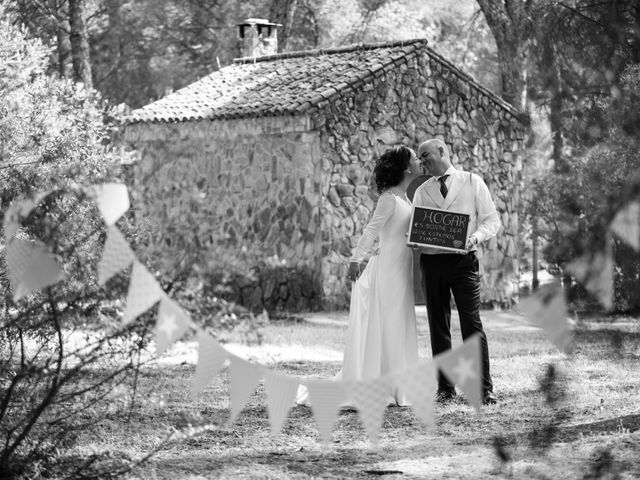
column 52, row 380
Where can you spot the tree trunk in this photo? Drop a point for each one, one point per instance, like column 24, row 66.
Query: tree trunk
column 508, row 21
column 283, row 11
column 114, row 40
column 553, row 82
column 62, row 36
column 636, row 34
column 535, row 281
column 62, row 49
column 80, row 55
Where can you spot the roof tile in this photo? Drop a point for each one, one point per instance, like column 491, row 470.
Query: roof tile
column 286, row 83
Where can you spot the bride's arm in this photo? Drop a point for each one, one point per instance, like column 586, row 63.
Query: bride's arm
column 384, row 209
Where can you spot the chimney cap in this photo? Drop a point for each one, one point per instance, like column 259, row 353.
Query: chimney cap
column 259, row 21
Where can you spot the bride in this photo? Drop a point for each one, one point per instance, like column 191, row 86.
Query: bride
column 382, row 337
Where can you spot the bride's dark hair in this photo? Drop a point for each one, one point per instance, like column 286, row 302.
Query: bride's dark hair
column 390, row 167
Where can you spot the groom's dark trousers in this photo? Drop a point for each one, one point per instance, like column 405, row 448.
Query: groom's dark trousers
column 442, row 275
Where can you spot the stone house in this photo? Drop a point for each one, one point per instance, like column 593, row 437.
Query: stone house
column 264, row 166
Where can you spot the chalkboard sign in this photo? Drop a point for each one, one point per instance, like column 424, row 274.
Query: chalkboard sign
column 441, row 229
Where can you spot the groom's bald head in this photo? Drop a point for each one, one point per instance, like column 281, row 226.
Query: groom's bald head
column 434, row 156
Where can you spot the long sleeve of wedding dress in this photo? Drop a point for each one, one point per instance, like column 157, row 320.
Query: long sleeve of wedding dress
column 381, row 215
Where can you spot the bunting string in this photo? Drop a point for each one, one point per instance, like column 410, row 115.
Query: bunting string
column 31, row 267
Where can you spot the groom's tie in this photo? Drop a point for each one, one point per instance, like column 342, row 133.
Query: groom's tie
column 443, row 186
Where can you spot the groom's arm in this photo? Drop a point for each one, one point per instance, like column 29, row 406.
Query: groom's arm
column 488, row 220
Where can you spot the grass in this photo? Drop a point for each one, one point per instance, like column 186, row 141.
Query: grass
column 594, row 429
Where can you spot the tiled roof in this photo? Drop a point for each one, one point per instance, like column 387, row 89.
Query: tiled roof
column 286, row 83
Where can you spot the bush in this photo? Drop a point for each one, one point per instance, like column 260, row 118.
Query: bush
column 53, row 381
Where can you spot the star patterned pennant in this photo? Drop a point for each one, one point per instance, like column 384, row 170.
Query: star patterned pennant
column 462, row 366
column 173, row 323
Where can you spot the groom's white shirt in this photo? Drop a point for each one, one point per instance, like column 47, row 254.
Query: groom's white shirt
column 467, row 193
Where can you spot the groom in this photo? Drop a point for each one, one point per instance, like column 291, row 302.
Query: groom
column 444, row 272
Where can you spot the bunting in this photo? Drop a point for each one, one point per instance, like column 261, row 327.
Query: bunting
column 173, row 323
column 626, row 225
column 326, row 397
column 281, row 392
column 211, row 359
column 243, row 379
column 418, row 385
column 463, row 367
column 30, row 267
column 371, row 398
column 547, row 309
column 17, row 211
column 112, row 200
column 596, row 274
column 116, row 256
column 144, row 292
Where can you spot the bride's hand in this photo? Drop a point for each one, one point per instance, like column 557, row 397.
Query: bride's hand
column 354, row 271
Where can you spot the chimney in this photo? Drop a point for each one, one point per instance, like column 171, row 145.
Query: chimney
column 258, row 37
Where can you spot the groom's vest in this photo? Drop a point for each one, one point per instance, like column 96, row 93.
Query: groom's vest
column 461, row 198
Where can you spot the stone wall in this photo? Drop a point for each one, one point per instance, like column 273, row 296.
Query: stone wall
column 238, row 199
column 419, row 98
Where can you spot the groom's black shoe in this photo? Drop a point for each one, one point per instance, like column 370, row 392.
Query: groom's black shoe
column 489, row 398
column 444, row 396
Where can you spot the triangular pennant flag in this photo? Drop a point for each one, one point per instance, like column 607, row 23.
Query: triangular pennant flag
column 596, row 274
column 626, row 225
column 418, row 384
column 463, row 367
column 18, row 210
column 547, row 309
column 325, row 397
column 19, row 253
column 112, row 200
column 281, row 392
column 172, row 323
column 211, row 358
column 371, row 397
column 144, row 292
column 117, row 255
column 30, row 267
column 243, row 379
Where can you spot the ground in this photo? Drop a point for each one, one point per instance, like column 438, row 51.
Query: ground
column 588, row 426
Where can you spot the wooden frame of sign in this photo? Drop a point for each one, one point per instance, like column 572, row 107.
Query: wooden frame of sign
column 442, row 229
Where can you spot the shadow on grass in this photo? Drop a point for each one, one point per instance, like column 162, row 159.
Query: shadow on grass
column 621, row 424
column 607, row 340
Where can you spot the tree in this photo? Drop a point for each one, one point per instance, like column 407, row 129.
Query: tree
column 64, row 22
column 510, row 23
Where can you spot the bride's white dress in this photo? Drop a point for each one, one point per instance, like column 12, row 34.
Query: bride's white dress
column 382, row 337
